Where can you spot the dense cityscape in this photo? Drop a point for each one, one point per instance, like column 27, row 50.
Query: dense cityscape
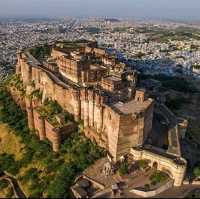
column 152, row 47
column 99, row 107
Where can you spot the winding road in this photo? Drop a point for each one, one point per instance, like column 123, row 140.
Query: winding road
column 18, row 193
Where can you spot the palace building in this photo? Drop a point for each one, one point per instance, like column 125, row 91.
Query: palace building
column 97, row 89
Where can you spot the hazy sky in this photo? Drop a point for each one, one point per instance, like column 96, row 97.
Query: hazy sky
column 177, row 9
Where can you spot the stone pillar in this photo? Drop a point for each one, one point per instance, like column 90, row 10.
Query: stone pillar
column 30, row 118
column 18, row 65
column 140, row 128
column 29, row 110
column 99, row 129
column 86, row 113
column 86, row 107
column 18, row 68
column 56, row 141
column 179, row 175
column 91, row 113
column 41, row 126
column 29, row 107
column 91, row 108
column 26, row 71
column 36, row 103
column 83, row 76
column 99, row 107
column 77, row 105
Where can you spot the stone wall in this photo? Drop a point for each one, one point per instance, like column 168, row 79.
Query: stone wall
column 18, row 98
column 56, row 53
column 111, row 126
column 39, row 124
column 26, row 71
column 182, row 127
column 53, row 90
column 70, row 69
column 103, row 124
column 148, row 120
column 29, row 110
column 152, row 193
column 99, row 52
column 128, row 134
column 53, row 136
column 47, row 131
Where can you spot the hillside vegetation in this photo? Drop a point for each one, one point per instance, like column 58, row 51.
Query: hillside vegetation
column 40, row 171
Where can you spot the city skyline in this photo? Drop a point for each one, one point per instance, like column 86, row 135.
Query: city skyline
column 143, row 9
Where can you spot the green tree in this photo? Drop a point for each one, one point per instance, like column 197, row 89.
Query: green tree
column 8, row 163
column 59, row 170
column 123, row 169
column 158, row 177
column 196, row 171
column 31, row 174
column 3, row 184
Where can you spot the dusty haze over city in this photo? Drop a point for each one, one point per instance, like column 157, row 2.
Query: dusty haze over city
column 153, row 9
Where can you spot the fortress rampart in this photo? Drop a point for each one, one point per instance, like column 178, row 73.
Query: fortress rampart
column 103, row 123
column 97, row 90
column 101, row 92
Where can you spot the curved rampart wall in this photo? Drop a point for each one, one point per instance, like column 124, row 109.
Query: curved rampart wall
column 163, row 163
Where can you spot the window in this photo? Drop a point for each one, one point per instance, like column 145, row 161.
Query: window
column 109, row 116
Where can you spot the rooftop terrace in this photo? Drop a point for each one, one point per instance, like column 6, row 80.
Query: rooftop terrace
column 133, row 106
column 112, row 79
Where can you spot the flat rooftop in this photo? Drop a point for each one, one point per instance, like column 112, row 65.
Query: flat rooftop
column 112, row 79
column 97, row 67
column 133, row 106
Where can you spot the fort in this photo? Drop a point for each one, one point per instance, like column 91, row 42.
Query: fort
column 101, row 93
